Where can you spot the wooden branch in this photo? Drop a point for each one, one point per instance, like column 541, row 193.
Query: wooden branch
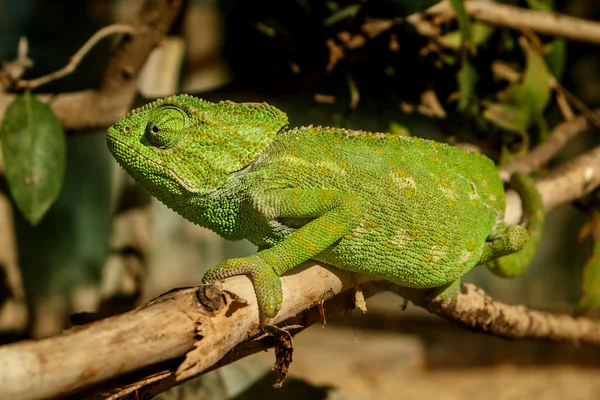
column 166, row 328
column 473, row 309
column 13, row 311
column 571, row 180
column 216, row 325
column 546, row 150
column 103, row 106
column 545, row 23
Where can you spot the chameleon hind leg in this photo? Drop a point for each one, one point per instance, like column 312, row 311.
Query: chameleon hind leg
column 510, row 248
column 335, row 213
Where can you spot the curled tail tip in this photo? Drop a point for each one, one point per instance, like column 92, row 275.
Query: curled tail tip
column 515, row 264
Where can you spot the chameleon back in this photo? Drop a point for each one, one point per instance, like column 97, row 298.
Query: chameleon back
column 428, row 206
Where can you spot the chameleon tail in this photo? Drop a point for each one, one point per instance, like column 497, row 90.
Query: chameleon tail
column 517, row 263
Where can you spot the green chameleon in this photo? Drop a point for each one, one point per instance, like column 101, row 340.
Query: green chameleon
column 416, row 212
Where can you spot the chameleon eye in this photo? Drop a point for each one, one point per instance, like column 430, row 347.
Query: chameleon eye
column 166, row 126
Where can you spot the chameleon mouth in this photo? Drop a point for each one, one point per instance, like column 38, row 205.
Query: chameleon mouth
column 117, row 148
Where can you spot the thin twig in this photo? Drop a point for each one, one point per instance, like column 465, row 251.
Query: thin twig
column 101, row 107
column 473, row 309
column 13, row 70
column 553, row 24
column 547, row 149
column 77, row 57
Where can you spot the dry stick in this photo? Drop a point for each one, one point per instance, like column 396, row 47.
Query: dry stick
column 168, row 328
column 13, row 312
column 163, row 330
column 546, row 23
column 102, row 107
column 76, row 59
column 554, row 143
column 13, row 70
column 572, row 180
column 503, row 320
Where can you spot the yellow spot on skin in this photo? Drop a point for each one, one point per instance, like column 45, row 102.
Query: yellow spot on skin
column 297, row 197
column 372, row 224
column 464, row 257
column 401, row 238
column 312, row 165
column 325, row 197
column 437, row 252
column 446, row 189
column 365, row 227
column 471, row 245
column 404, row 181
column 328, row 226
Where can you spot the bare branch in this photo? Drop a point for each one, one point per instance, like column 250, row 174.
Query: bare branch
column 476, row 311
column 553, row 24
column 13, row 311
column 546, row 150
column 166, row 328
column 102, row 107
column 571, row 180
column 13, row 70
column 214, row 326
column 76, row 59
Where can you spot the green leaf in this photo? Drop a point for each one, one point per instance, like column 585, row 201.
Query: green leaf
column 399, row 129
column 34, row 150
column 464, row 23
column 508, row 116
column 342, row 14
column 467, row 78
column 590, row 285
column 555, row 54
column 453, row 40
column 541, row 5
column 522, row 103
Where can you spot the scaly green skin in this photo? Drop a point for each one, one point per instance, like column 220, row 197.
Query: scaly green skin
column 416, row 212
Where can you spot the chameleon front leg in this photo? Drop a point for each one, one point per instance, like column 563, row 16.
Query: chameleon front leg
column 335, row 213
column 510, row 248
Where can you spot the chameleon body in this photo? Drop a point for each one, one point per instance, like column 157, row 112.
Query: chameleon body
column 416, row 212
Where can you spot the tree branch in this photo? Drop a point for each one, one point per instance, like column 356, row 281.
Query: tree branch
column 101, row 107
column 571, row 180
column 554, row 143
column 553, row 24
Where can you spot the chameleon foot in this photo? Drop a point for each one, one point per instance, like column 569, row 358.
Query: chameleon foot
column 447, row 292
column 267, row 284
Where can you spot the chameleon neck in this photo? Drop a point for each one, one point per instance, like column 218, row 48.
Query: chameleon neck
column 218, row 210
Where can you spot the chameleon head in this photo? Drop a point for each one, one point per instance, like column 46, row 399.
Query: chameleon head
column 182, row 144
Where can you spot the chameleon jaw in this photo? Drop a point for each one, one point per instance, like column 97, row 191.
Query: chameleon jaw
column 117, row 147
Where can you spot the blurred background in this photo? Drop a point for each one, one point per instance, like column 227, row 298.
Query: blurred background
column 106, row 247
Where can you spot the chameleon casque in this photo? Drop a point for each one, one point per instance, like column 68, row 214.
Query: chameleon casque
column 416, row 212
